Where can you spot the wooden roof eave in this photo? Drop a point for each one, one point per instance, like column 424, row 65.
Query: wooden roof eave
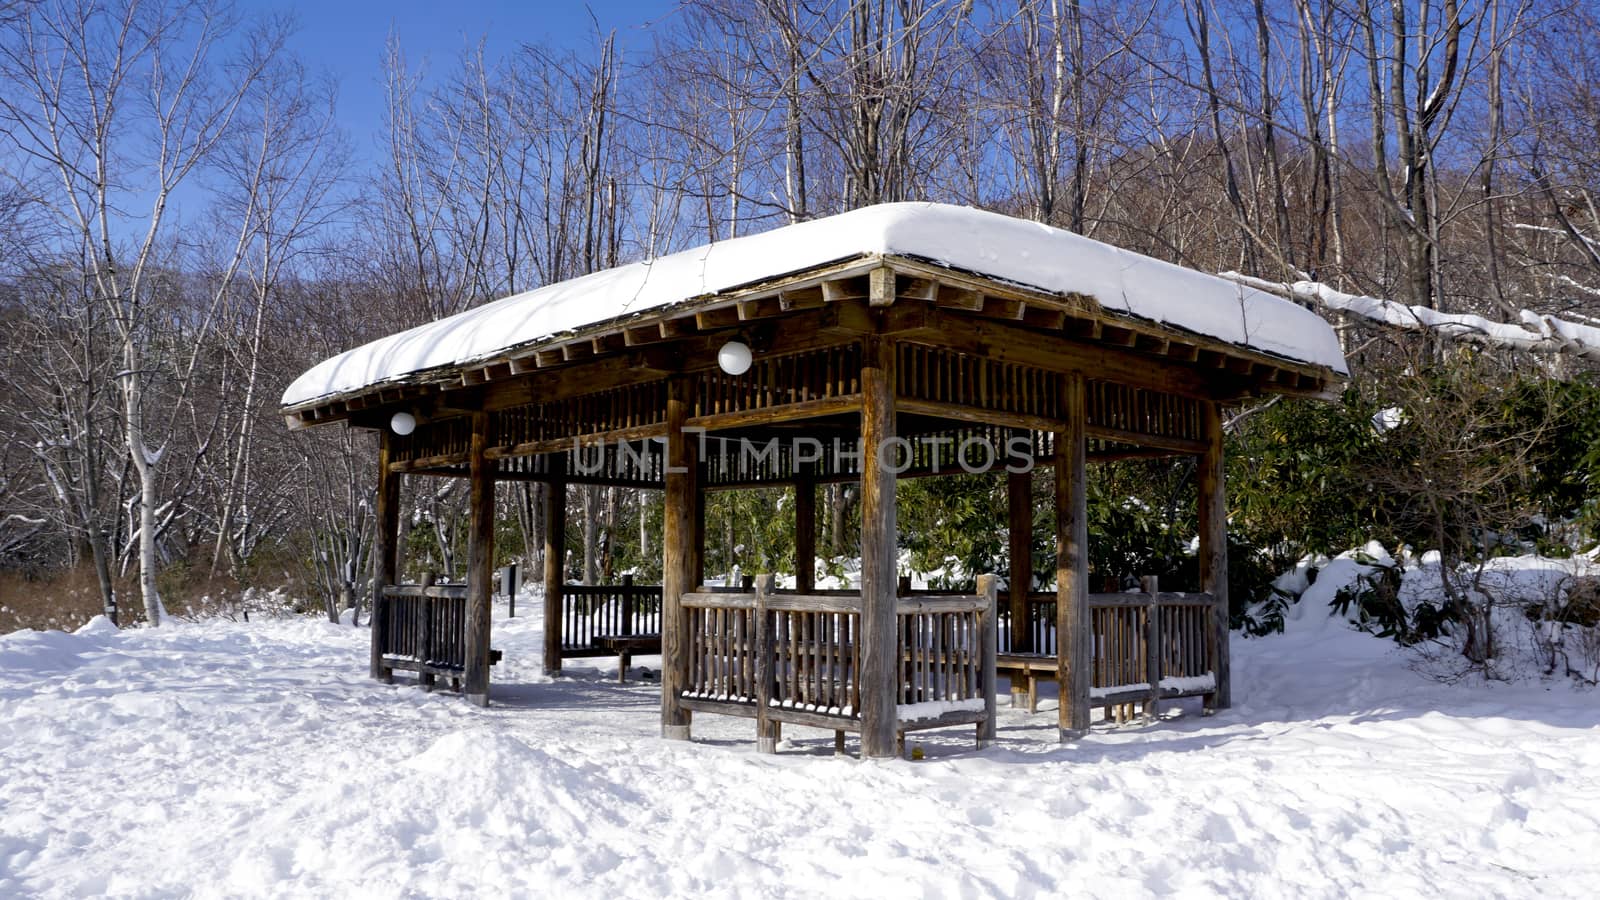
column 1085, row 318
column 876, row 279
column 724, row 309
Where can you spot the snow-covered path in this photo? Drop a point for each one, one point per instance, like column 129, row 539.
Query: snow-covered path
column 227, row 759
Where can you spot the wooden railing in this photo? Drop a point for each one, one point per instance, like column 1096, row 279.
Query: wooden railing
column 797, row 653
column 1037, row 633
column 787, row 657
column 1124, row 627
column 590, row 611
column 947, row 652
column 423, row 628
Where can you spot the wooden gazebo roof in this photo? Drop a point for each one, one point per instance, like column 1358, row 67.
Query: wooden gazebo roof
column 977, row 279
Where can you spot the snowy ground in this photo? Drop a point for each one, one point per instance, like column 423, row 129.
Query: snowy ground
column 227, row 759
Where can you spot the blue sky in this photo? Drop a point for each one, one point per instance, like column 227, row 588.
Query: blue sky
column 345, row 38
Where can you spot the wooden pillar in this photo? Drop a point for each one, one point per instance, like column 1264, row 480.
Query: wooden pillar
column 987, row 636
column 386, row 553
column 805, row 534
column 1073, row 637
column 679, row 536
column 1151, row 585
column 1214, row 548
column 767, row 729
column 879, row 632
column 1019, row 506
column 555, row 559
column 480, row 563
column 697, row 518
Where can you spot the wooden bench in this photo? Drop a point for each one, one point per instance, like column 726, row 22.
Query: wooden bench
column 1118, row 704
column 1033, row 667
column 625, row 646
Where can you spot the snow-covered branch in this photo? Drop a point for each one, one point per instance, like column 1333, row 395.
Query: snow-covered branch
column 1535, row 333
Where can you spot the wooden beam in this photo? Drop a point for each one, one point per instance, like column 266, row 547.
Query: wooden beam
column 682, row 326
column 480, row 565
column 1213, row 527
column 555, row 552
column 677, row 568
column 916, row 288
column 806, row 409
column 800, row 298
column 1139, row 438
column 958, row 413
column 1112, row 455
column 959, row 298
column 1009, row 343
column 386, row 552
column 562, row 444
column 880, row 286
column 838, row 290
column 880, row 662
column 644, row 334
column 717, row 317
column 1008, row 308
column 1073, row 637
column 421, row 464
column 1044, row 319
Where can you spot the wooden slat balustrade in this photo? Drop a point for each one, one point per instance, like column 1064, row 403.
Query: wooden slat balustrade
column 599, row 610
column 423, row 628
column 1125, row 626
column 789, row 657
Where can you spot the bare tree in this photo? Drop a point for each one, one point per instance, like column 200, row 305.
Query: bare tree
column 122, row 103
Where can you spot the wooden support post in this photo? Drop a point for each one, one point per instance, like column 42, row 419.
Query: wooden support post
column 1214, row 549
column 555, row 558
column 630, row 608
column 679, row 536
column 697, row 519
column 386, row 554
column 766, row 728
column 805, row 534
column 988, row 636
column 1152, row 647
column 480, row 563
column 1074, row 647
column 879, row 638
column 1019, row 506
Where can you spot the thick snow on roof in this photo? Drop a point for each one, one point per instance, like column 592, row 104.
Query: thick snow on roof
column 1000, row 247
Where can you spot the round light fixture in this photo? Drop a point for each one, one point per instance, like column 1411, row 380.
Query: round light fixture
column 734, row 357
column 403, row 423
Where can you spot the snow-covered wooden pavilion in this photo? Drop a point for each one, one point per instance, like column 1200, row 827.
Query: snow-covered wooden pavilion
column 894, row 341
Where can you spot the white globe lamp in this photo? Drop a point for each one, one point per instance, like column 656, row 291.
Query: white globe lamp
column 734, row 357
column 402, row 423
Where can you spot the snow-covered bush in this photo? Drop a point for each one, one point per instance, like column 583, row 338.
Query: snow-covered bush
column 1539, row 616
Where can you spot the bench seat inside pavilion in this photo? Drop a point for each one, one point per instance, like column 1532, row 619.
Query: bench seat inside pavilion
column 895, row 341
